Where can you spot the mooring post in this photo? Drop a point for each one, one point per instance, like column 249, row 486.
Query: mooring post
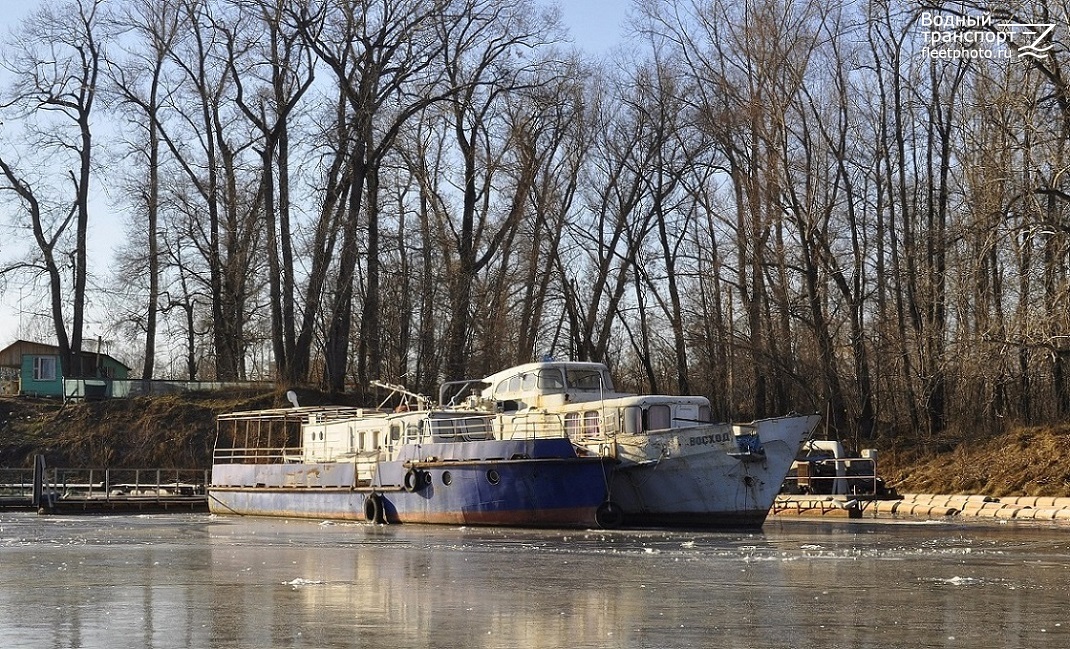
column 38, row 479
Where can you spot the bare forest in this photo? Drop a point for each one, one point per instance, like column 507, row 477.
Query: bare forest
column 783, row 205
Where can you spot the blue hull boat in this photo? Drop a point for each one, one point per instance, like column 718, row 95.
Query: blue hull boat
column 422, row 466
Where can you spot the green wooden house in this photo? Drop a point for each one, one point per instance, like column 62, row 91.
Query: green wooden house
column 34, row 369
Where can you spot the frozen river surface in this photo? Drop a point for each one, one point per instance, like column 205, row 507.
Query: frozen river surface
column 203, row 581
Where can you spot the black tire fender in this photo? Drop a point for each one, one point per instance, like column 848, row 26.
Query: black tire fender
column 414, row 480
column 609, row 515
column 373, row 508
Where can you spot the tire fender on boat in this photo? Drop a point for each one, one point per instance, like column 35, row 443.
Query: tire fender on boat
column 414, row 480
column 373, row 508
column 609, row 515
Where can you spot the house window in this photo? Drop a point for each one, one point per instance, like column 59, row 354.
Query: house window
column 44, row 368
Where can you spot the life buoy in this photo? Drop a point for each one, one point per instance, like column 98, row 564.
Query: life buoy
column 414, row 480
column 609, row 515
column 373, row 509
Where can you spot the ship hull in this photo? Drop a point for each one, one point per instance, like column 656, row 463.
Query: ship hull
column 699, row 477
column 535, row 484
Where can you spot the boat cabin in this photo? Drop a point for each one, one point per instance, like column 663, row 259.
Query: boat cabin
column 376, row 436
column 549, row 384
column 580, row 397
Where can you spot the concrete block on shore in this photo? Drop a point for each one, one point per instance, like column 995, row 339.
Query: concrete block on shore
column 981, row 508
column 888, row 506
column 1038, row 513
column 1020, row 501
column 1053, row 502
column 1009, row 511
column 931, row 511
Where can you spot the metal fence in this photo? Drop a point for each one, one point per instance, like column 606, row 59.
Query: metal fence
column 119, row 388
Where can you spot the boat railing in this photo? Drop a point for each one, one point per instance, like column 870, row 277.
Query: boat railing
column 531, row 425
column 365, row 461
column 256, row 455
column 467, row 427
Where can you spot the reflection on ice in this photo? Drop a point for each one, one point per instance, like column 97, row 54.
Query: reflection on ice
column 184, row 581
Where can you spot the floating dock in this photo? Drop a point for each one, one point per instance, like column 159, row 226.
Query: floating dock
column 103, row 491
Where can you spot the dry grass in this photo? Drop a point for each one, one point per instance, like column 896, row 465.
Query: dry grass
column 1026, row 461
column 173, row 431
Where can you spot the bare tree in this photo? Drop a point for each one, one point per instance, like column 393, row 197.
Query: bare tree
column 55, row 63
column 137, row 81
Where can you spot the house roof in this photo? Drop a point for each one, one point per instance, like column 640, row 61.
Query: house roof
column 11, row 356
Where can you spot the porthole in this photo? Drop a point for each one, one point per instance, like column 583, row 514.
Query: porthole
column 493, row 477
column 447, row 478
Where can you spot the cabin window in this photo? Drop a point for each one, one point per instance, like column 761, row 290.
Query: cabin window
column 375, row 439
column 584, row 379
column 590, row 423
column 705, row 415
column 658, row 417
column 363, row 440
column 572, row 424
column 551, row 381
column 633, row 420
column 44, row 368
column 514, row 384
column 395, row 432
column 529, row 382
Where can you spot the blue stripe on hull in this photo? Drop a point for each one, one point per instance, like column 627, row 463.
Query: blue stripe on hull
column 533, row 493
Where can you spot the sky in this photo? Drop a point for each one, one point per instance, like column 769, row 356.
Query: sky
column 596, row 26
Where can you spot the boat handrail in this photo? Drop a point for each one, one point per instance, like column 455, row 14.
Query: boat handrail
column 256, row 455
column 304, row 414
column 531, row 425
column 466, row 426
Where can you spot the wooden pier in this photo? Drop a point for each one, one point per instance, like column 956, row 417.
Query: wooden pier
column 103, row 491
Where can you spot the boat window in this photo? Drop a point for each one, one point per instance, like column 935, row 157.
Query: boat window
column 529, row 382
column 633, row 420
column 572, row 424
column 514, row 383
column 551, row 380
column 584, row 379
column 658, row 417
column 705, row 415
column 395, row 432
column 363, row 440
column 590, row 422
column 375, row 439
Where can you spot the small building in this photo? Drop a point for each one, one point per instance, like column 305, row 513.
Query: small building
column 35, row 369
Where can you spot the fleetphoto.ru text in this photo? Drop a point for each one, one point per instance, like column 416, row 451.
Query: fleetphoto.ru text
column 981, row 37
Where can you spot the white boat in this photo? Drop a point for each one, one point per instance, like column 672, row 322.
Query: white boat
column 674, row 465
column 413, row 464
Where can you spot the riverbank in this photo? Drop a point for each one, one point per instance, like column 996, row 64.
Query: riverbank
column 1024, row 461
column 178, row 431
